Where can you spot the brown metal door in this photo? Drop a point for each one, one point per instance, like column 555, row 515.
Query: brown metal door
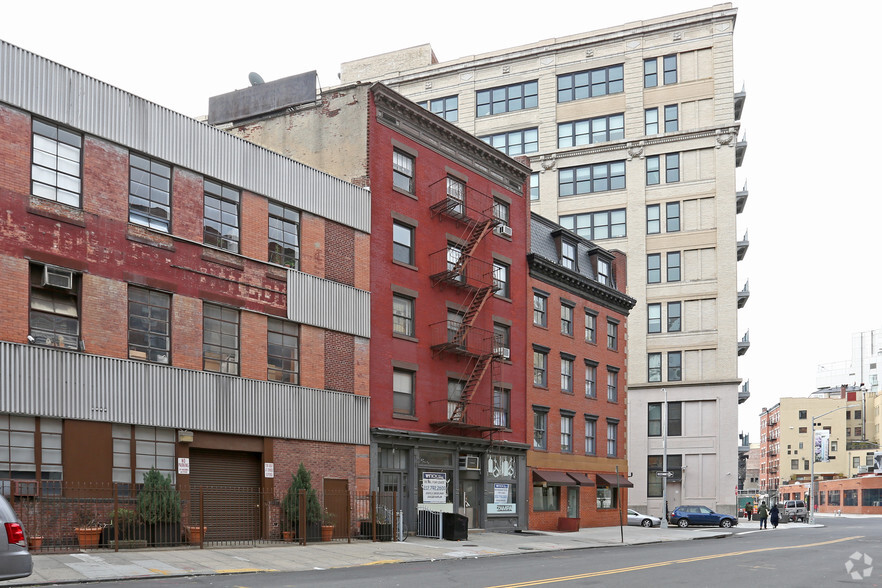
column 230, row 486
column 336, row 498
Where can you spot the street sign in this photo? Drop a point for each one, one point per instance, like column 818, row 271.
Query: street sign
column 665, row 474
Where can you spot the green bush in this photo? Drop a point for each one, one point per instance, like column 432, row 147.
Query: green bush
column 158, row 502
column 302, row 480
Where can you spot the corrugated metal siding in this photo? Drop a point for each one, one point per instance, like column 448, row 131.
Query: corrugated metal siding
column 50, row 90
column 327, row 304
column 41, row 381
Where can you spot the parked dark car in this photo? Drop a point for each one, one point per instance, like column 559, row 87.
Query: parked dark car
column 15, row 559
column 683, row 516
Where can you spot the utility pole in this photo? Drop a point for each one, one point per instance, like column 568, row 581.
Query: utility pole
column 664, row 424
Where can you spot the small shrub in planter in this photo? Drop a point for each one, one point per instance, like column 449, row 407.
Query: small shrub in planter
column 159, row 505
column 302, row 480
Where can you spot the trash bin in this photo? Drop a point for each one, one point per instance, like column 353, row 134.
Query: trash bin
column 455, row 527
column 785, row 518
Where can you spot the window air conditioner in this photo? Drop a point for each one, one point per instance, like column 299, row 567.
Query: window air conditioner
column 57, row 277
column 469, row 462
column 863, row 469
column 503, row 352
column 504, row 230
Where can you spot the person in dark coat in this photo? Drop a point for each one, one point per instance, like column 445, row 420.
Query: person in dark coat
column 762, row 513
column 749, row 510
column 773, row 516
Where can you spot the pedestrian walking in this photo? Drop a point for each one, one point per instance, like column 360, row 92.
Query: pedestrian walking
column 773, row 516
column 762, row 513
column 749, row 510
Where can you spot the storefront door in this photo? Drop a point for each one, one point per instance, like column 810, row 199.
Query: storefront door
column 573, row 502
column 470, row 499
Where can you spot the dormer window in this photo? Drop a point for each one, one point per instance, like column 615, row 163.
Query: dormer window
column 604, row 272
column 568, row 255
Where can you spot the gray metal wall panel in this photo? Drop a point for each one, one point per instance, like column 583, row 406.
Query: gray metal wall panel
column 329, row 305
column 40, row 381
column 49, row 90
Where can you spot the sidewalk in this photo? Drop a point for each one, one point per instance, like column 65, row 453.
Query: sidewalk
column 96, row 565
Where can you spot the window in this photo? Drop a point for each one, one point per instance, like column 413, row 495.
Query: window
column 454, row 396
column 803, row 429
column 507, row 98
column 568, row 255
column 534, row 186
column 501, row 211
column 590, row 326
column 671, row 118
column 670, row 69
column 672, row 168
column 612, row 335
column 604, row 224
column 803, row 414
column 566, row 434
column 402, row 243
column 56, row 170
column 454, row 255
column 857, row 431
column 540, row 368
column 674, row 317
column 833, row 497
column 656, row 464
column 149, row 192
column 220, row 339
column 655, row 419
column 500, row 279
column 546, row 498
column 54, row 314
column 455, row 196
column 653, row 176
column 594, row 82
column 674, row 266
column 502, row 339
column 221, row 216
column 849, row 498
column 402, row 315
column 402, row 171
column 612, row 437
column 672, row 214
column 20, row 436
column 612, row 384
column 794, row 464
column 515, row 142
column 653, row 219
column 149, row 332
column 834, row 445
column 284, row 235
column 137, row 449
column 857, row 414
column 402, row 392
column 650, row 73
column 675, row 373
column 650, row 121
column 675, row 419
column 590, row 379
column 856, row 462
column 283, row 351
column 447, row 107
column 501, row 407
column 590, row 435
column 566, row 319
column 654, row 361
column 540, row 310
column 591, row 130
column 540, row 425
column 653, row 316
column 566, row 374
column 588, row 179
column 455, row 332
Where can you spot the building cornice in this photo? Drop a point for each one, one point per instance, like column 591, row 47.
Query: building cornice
column 566, row 279
column 474, row 443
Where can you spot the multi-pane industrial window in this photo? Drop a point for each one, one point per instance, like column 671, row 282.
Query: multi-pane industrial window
column 507, row 98
column 654, row 320
column 149, row 192
column 284, row 235
column 540, row 368
column 149, row 321
column 566, row 374
column 589, row 179
column 151, row 447
column 566, row 319
column 674, row 317
column 673, row 266
column 675, row 364
column 594, row 82
column 221, row 216
column 568, row 255
column 590, row 379
column 672, row 215
column 534, row 186
column 447, row 107
column 220, row 339
column 653, row 268
column 283, row 351
column 54, row 315
column 501, row 407
column 540, row 310
column 19, row 459
column 402, row 315
column 591, row 130
column 612, row 335
column 514, row 142
column 672, row 168
column 566, row 434
column 604, row 224
column 590, row 436
column 612, row 438
column 56, row 171
column 455, row 196
column 402, row 171
column 402, row 243
column 650, row 121
column 501, row 279
column 402, row 392
column 671, row 118
column 540, row 426
column 590, row 326
column 654, row 363
column 612, row 384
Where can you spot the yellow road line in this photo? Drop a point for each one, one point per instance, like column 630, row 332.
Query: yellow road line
column 240, row 570
column 668, row 563
column 382, row 561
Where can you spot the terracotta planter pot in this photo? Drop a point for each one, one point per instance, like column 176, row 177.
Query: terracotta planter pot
column 88, row 537
column 35, row 543
column 196, row 534
column 327, row 532
column 288, row 536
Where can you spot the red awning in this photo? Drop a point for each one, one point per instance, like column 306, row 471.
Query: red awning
column 581, row 478
column 553, row 478
column 614, row 481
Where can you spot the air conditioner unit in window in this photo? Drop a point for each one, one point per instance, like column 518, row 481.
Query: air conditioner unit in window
column 503, row 230
column 57, row 277
column 504, row 352
column 469, row 462
column 863, row 469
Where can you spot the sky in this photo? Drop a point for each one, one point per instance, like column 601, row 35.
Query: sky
column 811, row 217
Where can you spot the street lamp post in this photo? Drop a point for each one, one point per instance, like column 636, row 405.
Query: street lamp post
column 664, row 521
column 812, row 502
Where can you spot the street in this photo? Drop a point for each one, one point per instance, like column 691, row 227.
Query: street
column 790, row 556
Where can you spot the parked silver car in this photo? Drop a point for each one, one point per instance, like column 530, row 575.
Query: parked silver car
column 15, row 559
column 642, row 520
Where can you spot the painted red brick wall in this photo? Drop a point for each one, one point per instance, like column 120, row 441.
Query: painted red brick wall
column 255, row 226
column 187, row 334
column 104, row 302
column 339, row 361
column 187, row 210
column 15, row 152
column 252, row 331
column 105, row 182
column 312, row 357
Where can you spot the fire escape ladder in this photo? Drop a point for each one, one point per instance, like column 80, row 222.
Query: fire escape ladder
column 475, row 237
column 475, row 305
column 468, row 390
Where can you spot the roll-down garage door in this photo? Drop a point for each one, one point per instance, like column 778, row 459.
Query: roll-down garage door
column 230, row 484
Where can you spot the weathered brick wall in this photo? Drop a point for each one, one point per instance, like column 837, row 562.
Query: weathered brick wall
column 339, row 361
column 339, row 253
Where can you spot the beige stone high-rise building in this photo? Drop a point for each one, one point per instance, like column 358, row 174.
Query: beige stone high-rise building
column 633, row 133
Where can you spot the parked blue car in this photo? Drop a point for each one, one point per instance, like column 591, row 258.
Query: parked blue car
column 683, row 516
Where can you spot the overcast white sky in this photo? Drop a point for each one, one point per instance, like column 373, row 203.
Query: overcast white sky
column 813, row 218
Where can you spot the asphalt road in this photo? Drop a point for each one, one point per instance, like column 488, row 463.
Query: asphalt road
column 796, row 556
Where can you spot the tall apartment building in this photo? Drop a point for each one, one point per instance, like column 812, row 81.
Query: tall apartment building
column 173, row 297
column 449, row 299
column 632, row 135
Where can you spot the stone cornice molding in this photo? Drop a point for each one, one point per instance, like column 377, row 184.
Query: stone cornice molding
column 591, row 290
